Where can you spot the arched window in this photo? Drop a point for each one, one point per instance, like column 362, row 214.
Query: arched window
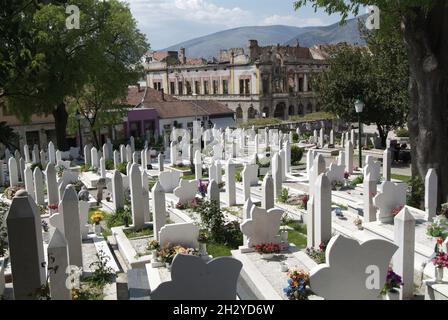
column 266, row 112
column 239, row 113
column 291, row 110
column 279, row 111
column 251, row 113
column 301, row 109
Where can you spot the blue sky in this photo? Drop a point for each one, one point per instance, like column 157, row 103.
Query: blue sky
column 167, row 22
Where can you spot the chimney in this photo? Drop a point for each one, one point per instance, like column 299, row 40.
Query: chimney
column 182, row 56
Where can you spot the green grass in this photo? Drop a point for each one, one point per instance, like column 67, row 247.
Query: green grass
column 298, row 235
column 131, row 233
column 188, row 177
column 401, row 177
column 343, row 207
column 218, row 249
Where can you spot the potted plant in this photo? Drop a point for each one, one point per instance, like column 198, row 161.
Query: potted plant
column 298, row 285
column 267, row 250
column 96, row 218
column 438, row 230
column 391, row 288
column 202, row 239
column 153, row 246
column 440, row 262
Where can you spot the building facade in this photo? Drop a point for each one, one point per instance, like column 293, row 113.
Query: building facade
column 271, row 81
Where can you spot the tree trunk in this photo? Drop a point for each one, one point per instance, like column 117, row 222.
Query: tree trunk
column 96, row 141
column 60, row 122
column 426, row 37
column 383, row 135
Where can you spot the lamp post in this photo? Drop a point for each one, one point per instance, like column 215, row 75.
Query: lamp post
column 359, row 106
column 78, row 117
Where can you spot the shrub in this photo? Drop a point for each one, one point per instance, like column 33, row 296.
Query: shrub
column 85, row 168
column 283, row 196
column 358, row 180
column 37, row 165
column 296, row 155
column 295, row 137
column 402, row 132
column 4, row 208
column 213, row 219
column 238, row 176
column 122, row 167
column 109, row 164
column 102, row 274
column 417, row 193
column 118, row 218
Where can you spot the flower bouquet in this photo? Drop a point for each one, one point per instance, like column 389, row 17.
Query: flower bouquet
column 393, row 282
column 440, row 262
column 298, row 285
column 267, row 250
column 202, row 188
column 153, row 246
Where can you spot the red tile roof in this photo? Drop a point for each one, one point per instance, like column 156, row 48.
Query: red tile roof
column 169, row 107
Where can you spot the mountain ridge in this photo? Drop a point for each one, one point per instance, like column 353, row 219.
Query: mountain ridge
column 209, row 45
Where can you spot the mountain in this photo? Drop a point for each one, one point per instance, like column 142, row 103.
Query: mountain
column 210, row 45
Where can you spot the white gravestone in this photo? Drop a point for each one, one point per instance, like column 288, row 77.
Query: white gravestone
column 94, row 157
column 29, row 182
column 169, row 180
column 322, row 210
column 387, row 164
column 403, row 260
column 276, row 165
column 58, row 261
column 158, row 208
column 430, row 194
column 72, row 225
column 13, row 172
column 352, row 271
column 373, row 168
column 52, row 185
column 194, row 279
column 117, row 190
column 184, row 234
column 336, row 172
column 186, row 191
column 230, row 183
column 135, row 184
column 390, row 196
column 262, row 227
column 84, row 207
column 213, row 191
column 349, row 157
column 370, row 190
column 267, row 189
column 197, row 165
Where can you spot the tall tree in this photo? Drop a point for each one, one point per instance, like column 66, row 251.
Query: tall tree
column 376, row 73
column 424, row 28
column 70, row 57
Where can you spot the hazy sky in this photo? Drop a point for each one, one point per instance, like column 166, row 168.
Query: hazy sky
column 167, row 22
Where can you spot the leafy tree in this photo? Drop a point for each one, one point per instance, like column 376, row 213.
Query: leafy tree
column 377, row 74
column 72, row 59
column 7, row 135
column 424, row 29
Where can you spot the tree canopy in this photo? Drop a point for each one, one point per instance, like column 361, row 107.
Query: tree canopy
column 377, row 74
column 106, row 44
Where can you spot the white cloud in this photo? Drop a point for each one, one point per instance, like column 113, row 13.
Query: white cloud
column 291, row 20
column 155, row 12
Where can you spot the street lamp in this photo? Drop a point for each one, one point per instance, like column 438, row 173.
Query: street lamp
column 78, row 117
column 359, row 106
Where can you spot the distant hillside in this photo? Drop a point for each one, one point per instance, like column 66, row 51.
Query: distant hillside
column 210, row 45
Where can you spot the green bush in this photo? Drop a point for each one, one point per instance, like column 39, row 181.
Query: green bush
column 238, row 176
column 358, row 180
column 417, row 193
column 296, row 155
column 283, row 196
column 122, row 167
column 110, row 165
column 402, row 132
column 37, row 165
column 295, row 137
column 117, row 219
